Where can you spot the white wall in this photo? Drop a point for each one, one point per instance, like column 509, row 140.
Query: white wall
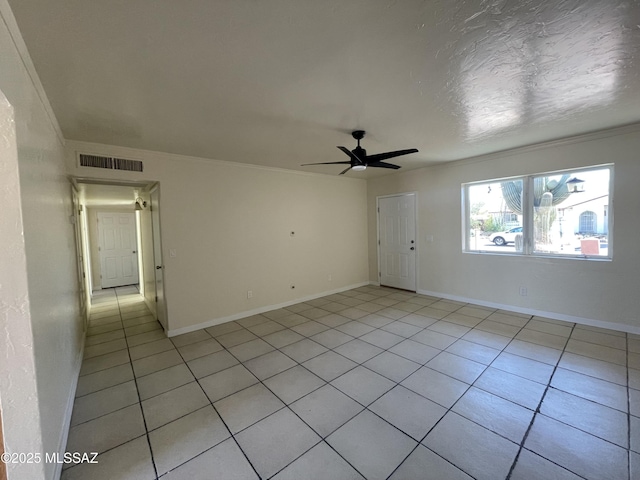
column 17, row 362
column 564, row 288
column 42, row 333
column 231, row 225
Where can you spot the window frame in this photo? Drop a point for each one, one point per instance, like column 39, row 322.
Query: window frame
column 528, row 230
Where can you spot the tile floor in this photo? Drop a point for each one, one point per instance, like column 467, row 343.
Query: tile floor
column 371, row 383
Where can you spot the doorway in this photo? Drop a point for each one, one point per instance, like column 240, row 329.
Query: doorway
column 397, row 241
column 117, row 221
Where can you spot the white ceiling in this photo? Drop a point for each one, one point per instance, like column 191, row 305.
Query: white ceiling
column 283, row 82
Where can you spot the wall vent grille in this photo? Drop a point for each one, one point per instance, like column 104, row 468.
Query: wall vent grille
column 110, row 163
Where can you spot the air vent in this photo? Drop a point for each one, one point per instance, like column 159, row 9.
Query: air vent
column 131, row 165
column 95, row 161
column 110, row 163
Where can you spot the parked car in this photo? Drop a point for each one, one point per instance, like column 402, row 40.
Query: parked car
column 502, row 238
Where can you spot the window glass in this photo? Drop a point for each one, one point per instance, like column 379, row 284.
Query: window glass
column 570, row 213
column 557, row 213
column 495, row 216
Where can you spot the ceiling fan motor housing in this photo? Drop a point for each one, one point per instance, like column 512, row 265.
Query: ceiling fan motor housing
column 361, row 153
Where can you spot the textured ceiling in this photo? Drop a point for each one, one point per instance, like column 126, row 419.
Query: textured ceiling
column 283, row 82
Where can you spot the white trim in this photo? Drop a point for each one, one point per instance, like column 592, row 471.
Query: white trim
column 416, row 231
column 9, row 20
column 66, row 424
column 620, row 327
column 255, row 311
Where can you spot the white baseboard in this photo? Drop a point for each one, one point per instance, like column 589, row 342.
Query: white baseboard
column 66, row 425
column 256, row 311
column 621, row 327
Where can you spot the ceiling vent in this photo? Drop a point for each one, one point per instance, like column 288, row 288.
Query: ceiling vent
column 110, row 163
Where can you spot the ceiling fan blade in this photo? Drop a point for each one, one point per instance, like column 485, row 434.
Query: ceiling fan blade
column 352, row 155
column 326, row 163
column 345, row 171
column 384, row 156
column 385, row 165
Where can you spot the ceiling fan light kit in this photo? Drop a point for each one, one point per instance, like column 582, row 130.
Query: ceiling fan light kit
column 360, row 160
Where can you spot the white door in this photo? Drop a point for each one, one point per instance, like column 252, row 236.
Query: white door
column 397, row 235
column 118, row 249
column 161, row 309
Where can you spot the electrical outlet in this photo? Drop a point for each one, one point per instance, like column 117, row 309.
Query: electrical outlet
column 523, row 291
column 249, row 294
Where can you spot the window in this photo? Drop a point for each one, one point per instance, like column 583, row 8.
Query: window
column 587, row 222
column 548, row 214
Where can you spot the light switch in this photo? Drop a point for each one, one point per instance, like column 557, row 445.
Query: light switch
column 172, row 252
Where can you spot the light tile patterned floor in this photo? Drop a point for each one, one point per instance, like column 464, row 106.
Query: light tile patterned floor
column 371, row 383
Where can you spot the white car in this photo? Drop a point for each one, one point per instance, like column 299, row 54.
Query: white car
column 502, row 238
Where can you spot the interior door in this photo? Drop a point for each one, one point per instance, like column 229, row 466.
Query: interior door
column 397, row 236
column 161, row 308
column 118, row 250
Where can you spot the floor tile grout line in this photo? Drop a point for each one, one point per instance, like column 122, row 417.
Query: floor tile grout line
column 366, row 407
column 450, row 409
column 399, row 384
column 537, row 412
column 422, row 365
column 472, row 385
column 128, row 406
column 384, row 350
column 144, row 419
column 287, row 406
column 259, row 382
column 109, row 450
column 222, row 419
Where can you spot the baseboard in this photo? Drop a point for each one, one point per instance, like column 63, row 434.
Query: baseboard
column 256, row 311
column 621, row 327
column 66, row 425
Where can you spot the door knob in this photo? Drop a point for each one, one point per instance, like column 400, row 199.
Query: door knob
column 413, row 248
column 133, row 251
column 158, row 267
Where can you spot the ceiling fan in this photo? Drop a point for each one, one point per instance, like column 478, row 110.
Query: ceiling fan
column 360, row 160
